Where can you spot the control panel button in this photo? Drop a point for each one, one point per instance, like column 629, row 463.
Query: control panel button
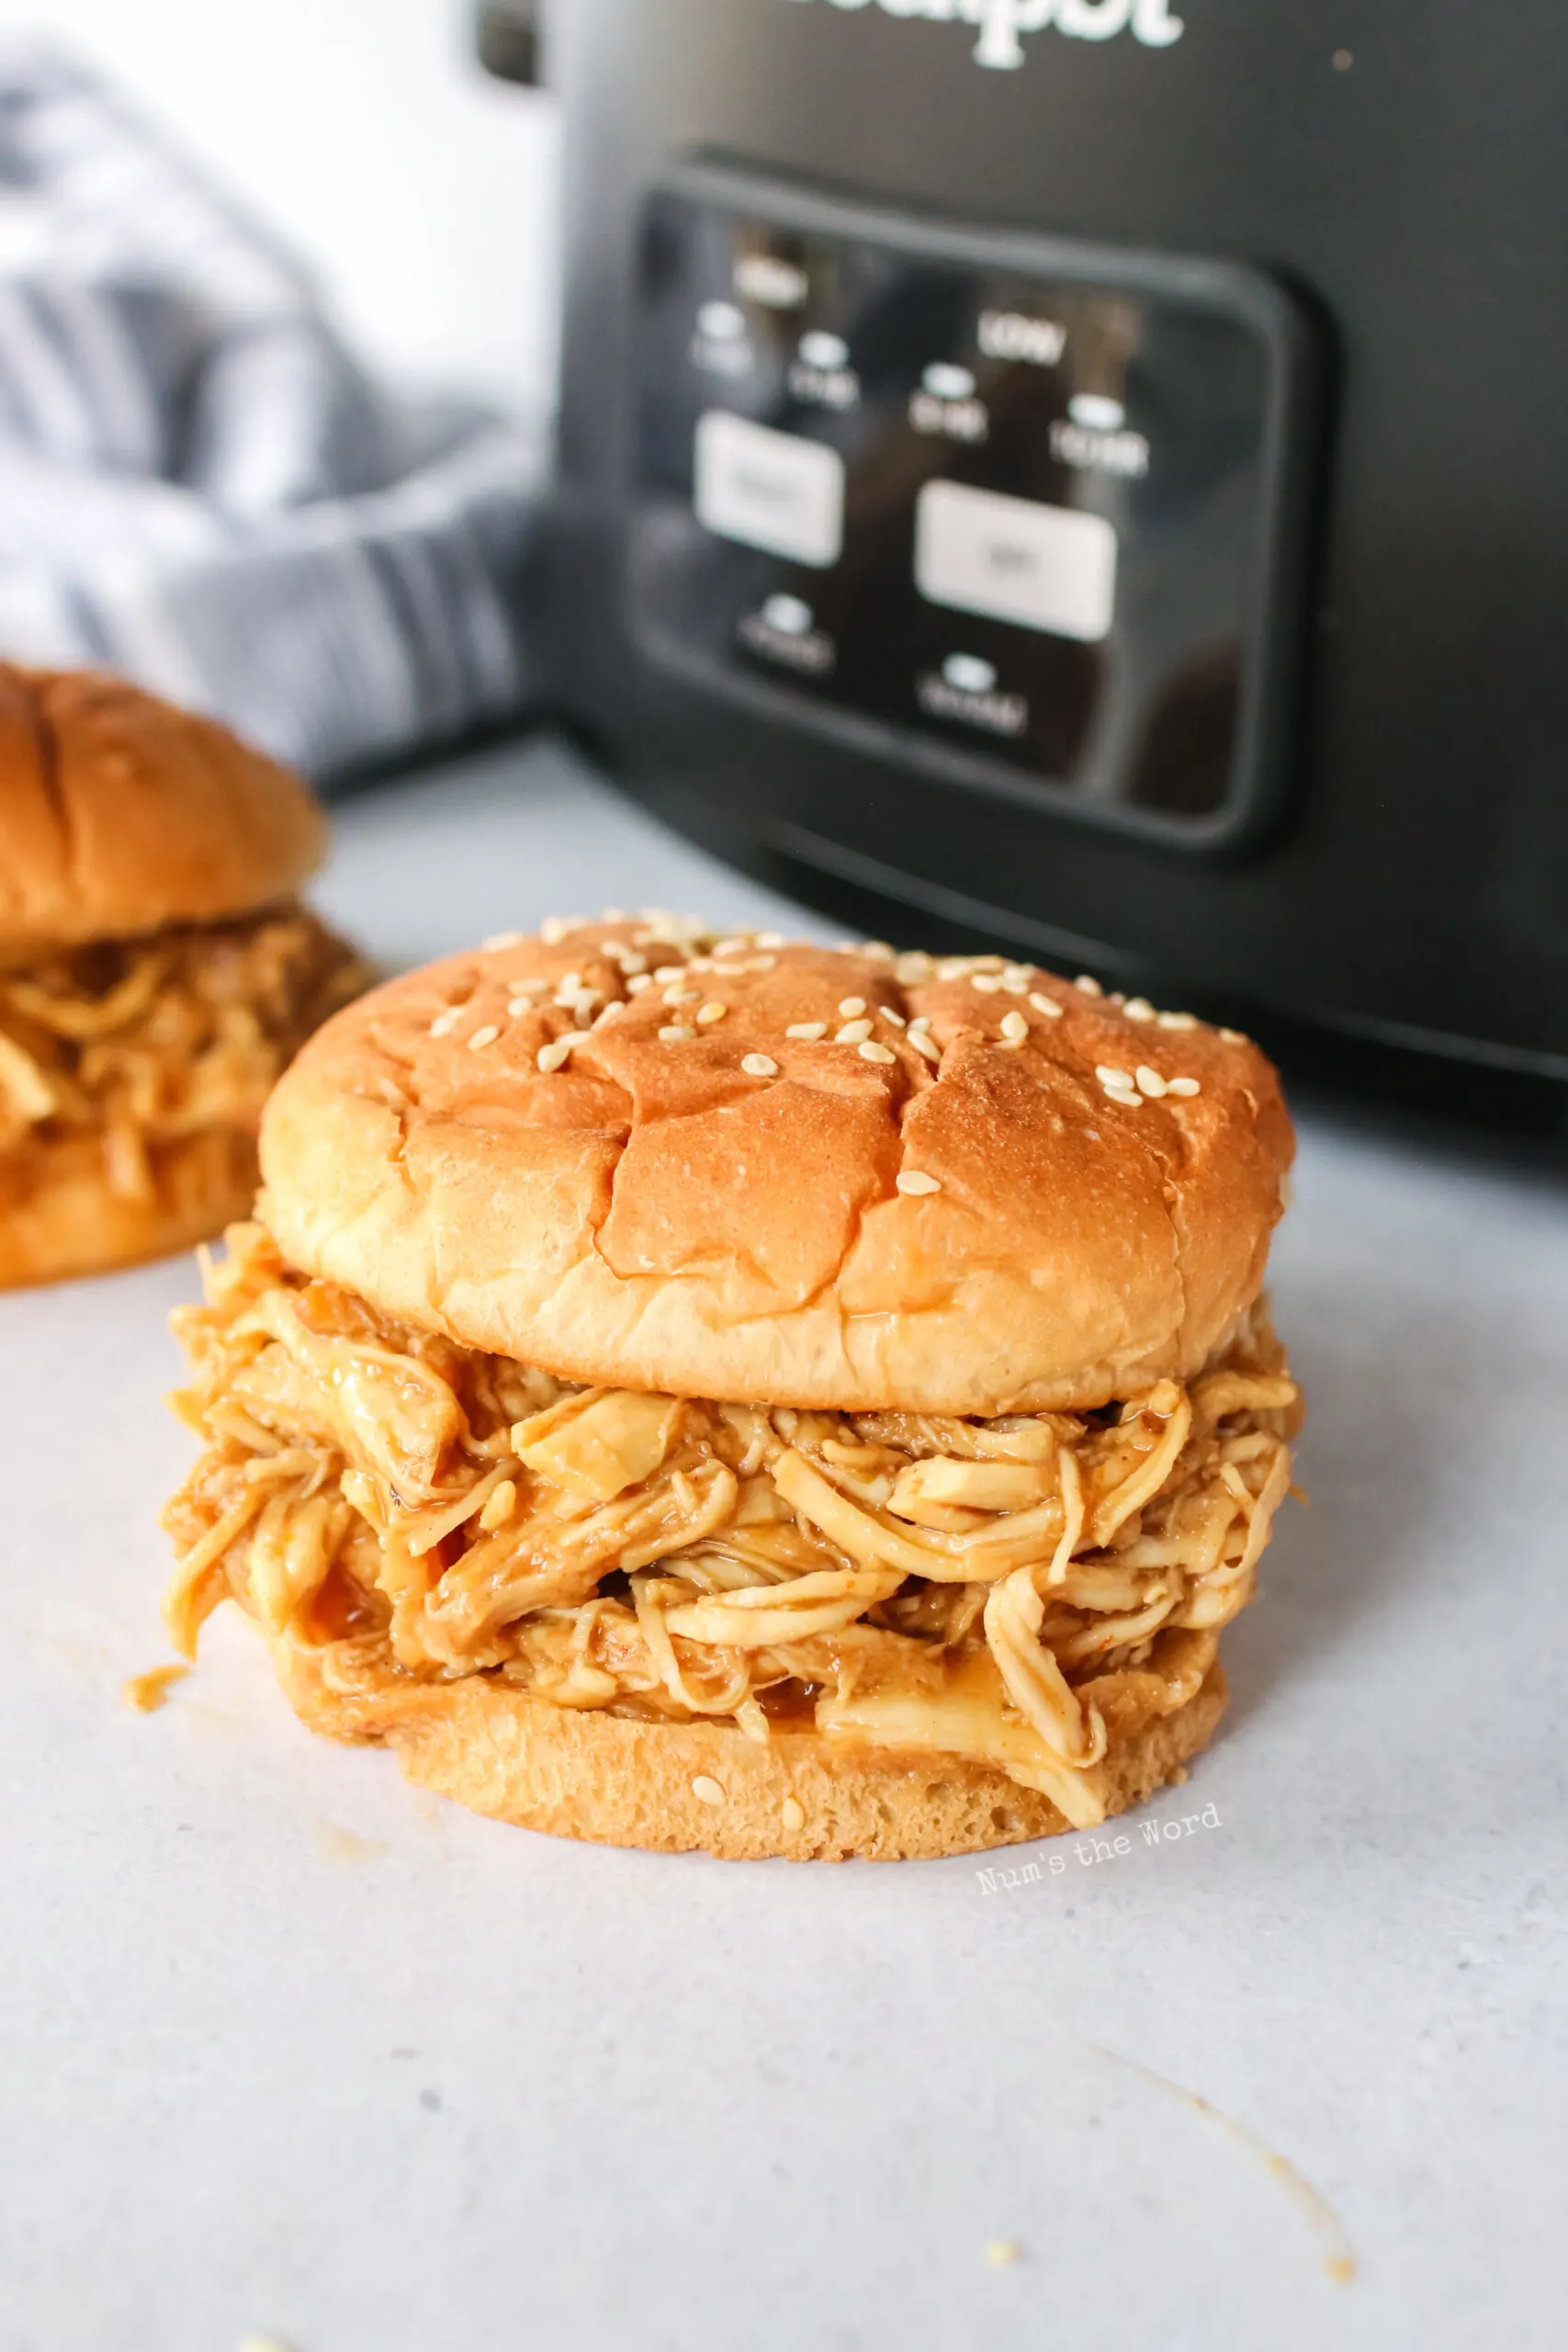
column 969, row 674
column 1092, row 437
column 820, row 374
column 790, row 615
column 965, row 689
column 1047, row 568
column 785, row 631
column 768, row 490
column 945, row 401
column 721, row 322
column 720, row 345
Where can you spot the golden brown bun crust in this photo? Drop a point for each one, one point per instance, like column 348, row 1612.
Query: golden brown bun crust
column 625, row 1783
column 70, row 1222
column 654, row 1216
column 120, row 814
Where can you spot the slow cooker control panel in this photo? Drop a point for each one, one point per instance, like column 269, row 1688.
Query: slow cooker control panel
column 1026, row 511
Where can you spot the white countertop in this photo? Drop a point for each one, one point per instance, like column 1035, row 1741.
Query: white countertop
column 289, row 2050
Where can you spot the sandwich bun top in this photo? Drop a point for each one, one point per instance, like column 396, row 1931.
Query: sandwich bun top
column 1053, row 1203
column 120, row 814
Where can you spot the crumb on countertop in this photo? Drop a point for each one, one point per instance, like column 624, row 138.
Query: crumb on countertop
column 146, row 1692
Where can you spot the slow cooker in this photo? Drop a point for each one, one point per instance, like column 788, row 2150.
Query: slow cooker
column 1088, row 475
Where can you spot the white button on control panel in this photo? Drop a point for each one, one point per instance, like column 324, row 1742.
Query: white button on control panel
column 1048, row 567
column 768, row 490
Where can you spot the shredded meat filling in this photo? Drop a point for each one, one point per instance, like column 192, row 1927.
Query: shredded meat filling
column 1014, row 1591
column 131, row 1046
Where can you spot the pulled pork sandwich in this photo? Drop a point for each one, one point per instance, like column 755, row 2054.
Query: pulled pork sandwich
column 156, row 969
column 695, row 1392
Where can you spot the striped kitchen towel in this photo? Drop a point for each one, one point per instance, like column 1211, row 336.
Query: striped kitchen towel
column 198, row 485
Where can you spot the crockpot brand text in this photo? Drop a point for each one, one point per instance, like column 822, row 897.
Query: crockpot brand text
column 1002, row 23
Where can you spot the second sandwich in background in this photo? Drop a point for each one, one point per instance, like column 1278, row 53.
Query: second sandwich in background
column 157, row 969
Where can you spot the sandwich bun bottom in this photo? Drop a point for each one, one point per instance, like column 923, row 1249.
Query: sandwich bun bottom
column 618, row 1781
column 70, row 1221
